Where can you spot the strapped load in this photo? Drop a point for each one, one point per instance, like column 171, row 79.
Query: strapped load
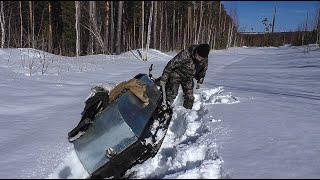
column 121, row 128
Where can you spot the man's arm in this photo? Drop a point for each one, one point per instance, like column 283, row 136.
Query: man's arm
column 172, row 64
column 202, row 72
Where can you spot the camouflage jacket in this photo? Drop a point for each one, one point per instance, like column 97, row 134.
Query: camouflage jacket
column 186, row 66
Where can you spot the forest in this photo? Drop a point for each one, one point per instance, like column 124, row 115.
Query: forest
column 75, row 28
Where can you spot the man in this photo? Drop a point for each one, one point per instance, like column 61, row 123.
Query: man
column 186, row 65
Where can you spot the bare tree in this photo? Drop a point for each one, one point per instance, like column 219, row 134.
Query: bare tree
column 111, row 26
column 118, row 45
column 189, row 25
column 149, row 32
column 134, row 31
column 194, row 24
column 155, row 25
column 94, row 30
column 219, row 30
column 318, row 27
column 50, row 29
column 21, row 25
column 201, row 15
column 142, row 26
column 9, row 27
column 161, row 26
column 174, row 26
column 166, row 34
column 3, row 24
column 230, row 34
column 31, row 19
column 78, row 14
column 106, row 36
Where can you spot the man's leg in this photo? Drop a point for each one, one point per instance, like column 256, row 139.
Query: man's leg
column 187, row 87
column 172, row 87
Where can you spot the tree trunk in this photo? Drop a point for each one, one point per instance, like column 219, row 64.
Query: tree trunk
column 184, row 38
column 106, row 36
column 166, row 35
column 93, row 19
column 93, row 25
column 112, row 27
column 21, row 25
column 50, row 28
column 118, row 45
column 209, row 24
column 149, row 31
column 214, row 37
column 178, row 34
column 134, row 31
column 77, row 25
column 3, row 24
column 161, row 26
column 31, row 17
column 155, row 24
column 194, row 25
column 219, row 30
column 188, row 26
column 199, row 29
column 173, row 39
column 90, row 27
column 318, row 27
column 142, row 26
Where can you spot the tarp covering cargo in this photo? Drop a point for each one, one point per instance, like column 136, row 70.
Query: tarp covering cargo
column 116, row 138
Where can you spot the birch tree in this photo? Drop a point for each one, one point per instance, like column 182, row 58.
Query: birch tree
column 50, row 28
column 318, row 27
column 31, row 20
column 77, row 25
column 194, row 34
column 149, row 32
column 106, row 36
column 189, row 25
column 118, row 45
column 94, row 25
column 21, row 24
column 173, row 28
column 201, row 15
column 155, row 25
column 3, row 23
column 142, row 26
column 161, row 26
column 112, row 26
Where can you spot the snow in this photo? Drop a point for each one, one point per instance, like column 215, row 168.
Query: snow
column 256, row 115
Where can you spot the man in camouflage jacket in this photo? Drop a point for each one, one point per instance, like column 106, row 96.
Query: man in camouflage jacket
column 186, row 65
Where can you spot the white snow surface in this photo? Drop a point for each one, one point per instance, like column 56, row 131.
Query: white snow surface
column 256, row 115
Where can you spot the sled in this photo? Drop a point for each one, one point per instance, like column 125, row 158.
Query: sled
column 124, row 133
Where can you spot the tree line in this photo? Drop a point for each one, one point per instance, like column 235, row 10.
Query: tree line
column 76, row 28
column 305, row 33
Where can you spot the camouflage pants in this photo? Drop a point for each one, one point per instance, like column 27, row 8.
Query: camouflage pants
column 172, row 87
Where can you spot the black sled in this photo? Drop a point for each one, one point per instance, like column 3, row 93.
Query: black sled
column 113, row 137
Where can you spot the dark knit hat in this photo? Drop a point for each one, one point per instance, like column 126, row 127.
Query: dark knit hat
column 203, row 50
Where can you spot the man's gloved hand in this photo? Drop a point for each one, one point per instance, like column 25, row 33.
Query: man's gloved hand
column 198, row 85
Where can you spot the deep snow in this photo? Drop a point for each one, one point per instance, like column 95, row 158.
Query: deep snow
column 256, row 115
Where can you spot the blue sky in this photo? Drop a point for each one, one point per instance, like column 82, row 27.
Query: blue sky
column 289, row 15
